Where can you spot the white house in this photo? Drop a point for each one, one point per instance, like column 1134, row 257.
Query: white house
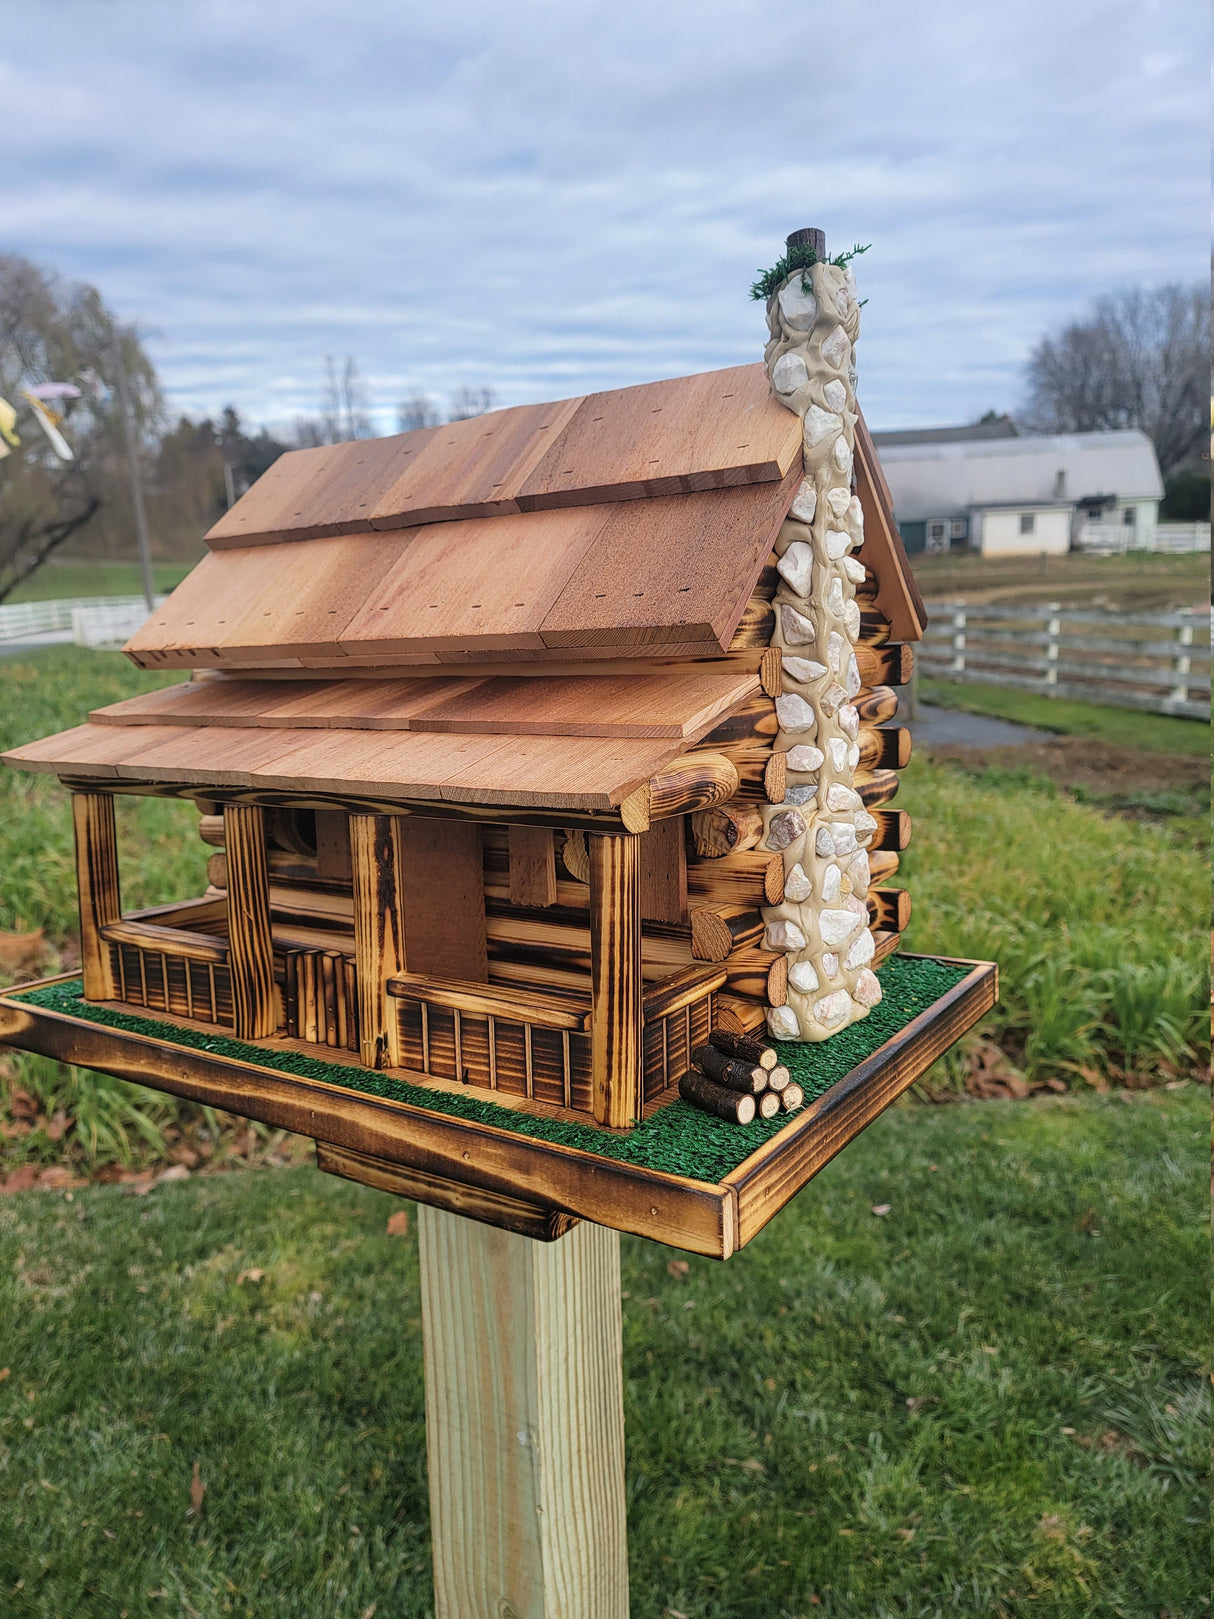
column 1003, row 495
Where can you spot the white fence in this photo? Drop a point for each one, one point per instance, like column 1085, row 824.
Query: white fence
column 1156, row 661
column 1115, row 539
column 91, row 620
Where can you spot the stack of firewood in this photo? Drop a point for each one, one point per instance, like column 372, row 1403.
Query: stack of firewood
column 736, row 1077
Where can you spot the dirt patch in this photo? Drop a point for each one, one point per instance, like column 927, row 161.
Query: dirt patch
column 1093, row 768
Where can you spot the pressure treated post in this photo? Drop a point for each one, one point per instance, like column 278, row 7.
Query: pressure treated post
column 524, row 1421
column 379, row 943
column 615, row 978
column 97, row 887
column 250, row 948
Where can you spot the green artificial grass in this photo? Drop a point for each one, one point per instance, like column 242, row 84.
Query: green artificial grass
column 679, row 1139
column 990, row 1402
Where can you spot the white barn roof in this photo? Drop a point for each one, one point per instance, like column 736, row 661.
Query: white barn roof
column 942, row 479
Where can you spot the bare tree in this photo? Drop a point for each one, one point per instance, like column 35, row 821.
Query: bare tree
column 51, row 332
column 1140, row 359
column 467, row 402
column 416, row 410
column 343, row 413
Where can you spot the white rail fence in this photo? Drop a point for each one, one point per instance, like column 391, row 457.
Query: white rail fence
column 1155, row 661
column 1116, row 539
column 89, row 620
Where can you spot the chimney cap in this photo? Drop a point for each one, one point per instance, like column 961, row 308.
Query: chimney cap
column 808, row 236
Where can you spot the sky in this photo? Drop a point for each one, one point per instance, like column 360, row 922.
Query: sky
column 555, row 196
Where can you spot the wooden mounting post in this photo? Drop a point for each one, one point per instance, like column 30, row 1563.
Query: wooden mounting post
column 379, row 944
column 97, row 885
column 250, row 948
column 524, row 1421
column 615, row 978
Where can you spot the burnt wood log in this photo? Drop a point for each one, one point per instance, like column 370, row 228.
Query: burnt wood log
column 745, row 1047
column 888, row 749
column 710, row 1097
column 734, row 1072
column 889, row 910
column 893, row 830
column 756, row 625
column 747, row 878
column 693, row 782
column 718, row 930
column 728, row 829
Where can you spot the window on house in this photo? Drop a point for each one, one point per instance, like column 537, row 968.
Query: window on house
column 958, row 528
column 1028, row 522
column 935, row 531
column 1127, row 517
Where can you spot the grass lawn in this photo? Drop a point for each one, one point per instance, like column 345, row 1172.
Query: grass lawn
column 93, row 577
column 1123, row 727
column 990, row 1402
column 1141, row 582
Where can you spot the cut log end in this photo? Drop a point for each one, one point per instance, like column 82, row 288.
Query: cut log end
column 725, row 830
column 775, row 778
column 791, row 1097
column 777, row 982
column 769, row 1105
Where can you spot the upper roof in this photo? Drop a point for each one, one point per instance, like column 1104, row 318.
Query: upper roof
column 711, row 431
column 625, row 524
column 938, row 479
column 1000, row 427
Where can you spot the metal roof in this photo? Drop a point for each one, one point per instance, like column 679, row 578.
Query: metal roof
column 947, row 479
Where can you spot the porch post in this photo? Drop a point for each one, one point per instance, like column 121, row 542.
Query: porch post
column 250, row 949
column 615, row 978
column 379, row 940
column 97, row 887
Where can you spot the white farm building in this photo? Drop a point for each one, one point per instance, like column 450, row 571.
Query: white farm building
column 986, row 489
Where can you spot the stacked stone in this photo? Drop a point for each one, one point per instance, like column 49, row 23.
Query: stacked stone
column 821, row 828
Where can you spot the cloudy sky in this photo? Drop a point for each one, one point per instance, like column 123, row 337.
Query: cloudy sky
column 551, row 196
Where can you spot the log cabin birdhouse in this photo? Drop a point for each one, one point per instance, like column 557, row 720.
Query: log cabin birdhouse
column 532, row 748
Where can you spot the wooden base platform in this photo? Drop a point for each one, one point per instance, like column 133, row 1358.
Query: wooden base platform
column 503, row 1177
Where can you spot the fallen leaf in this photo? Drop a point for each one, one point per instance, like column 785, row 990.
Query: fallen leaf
column 674, row 1613
column 398, row 1223
column 251, row 1275
column 882, row 1208
column 905, row 1534
column 369, row 1613
column 932, row 1168
column 678, row 1267
column 21, row 1179
column 58, row 1127
column 989, row 1349
column 177, row 1172
column 58, row 1175
column 197, row 1490
column 109, row 1534
column 21, row 1104
column 19, row 951
column 5, row 1371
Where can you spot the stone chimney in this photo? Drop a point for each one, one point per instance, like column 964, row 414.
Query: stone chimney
column 822, row 828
